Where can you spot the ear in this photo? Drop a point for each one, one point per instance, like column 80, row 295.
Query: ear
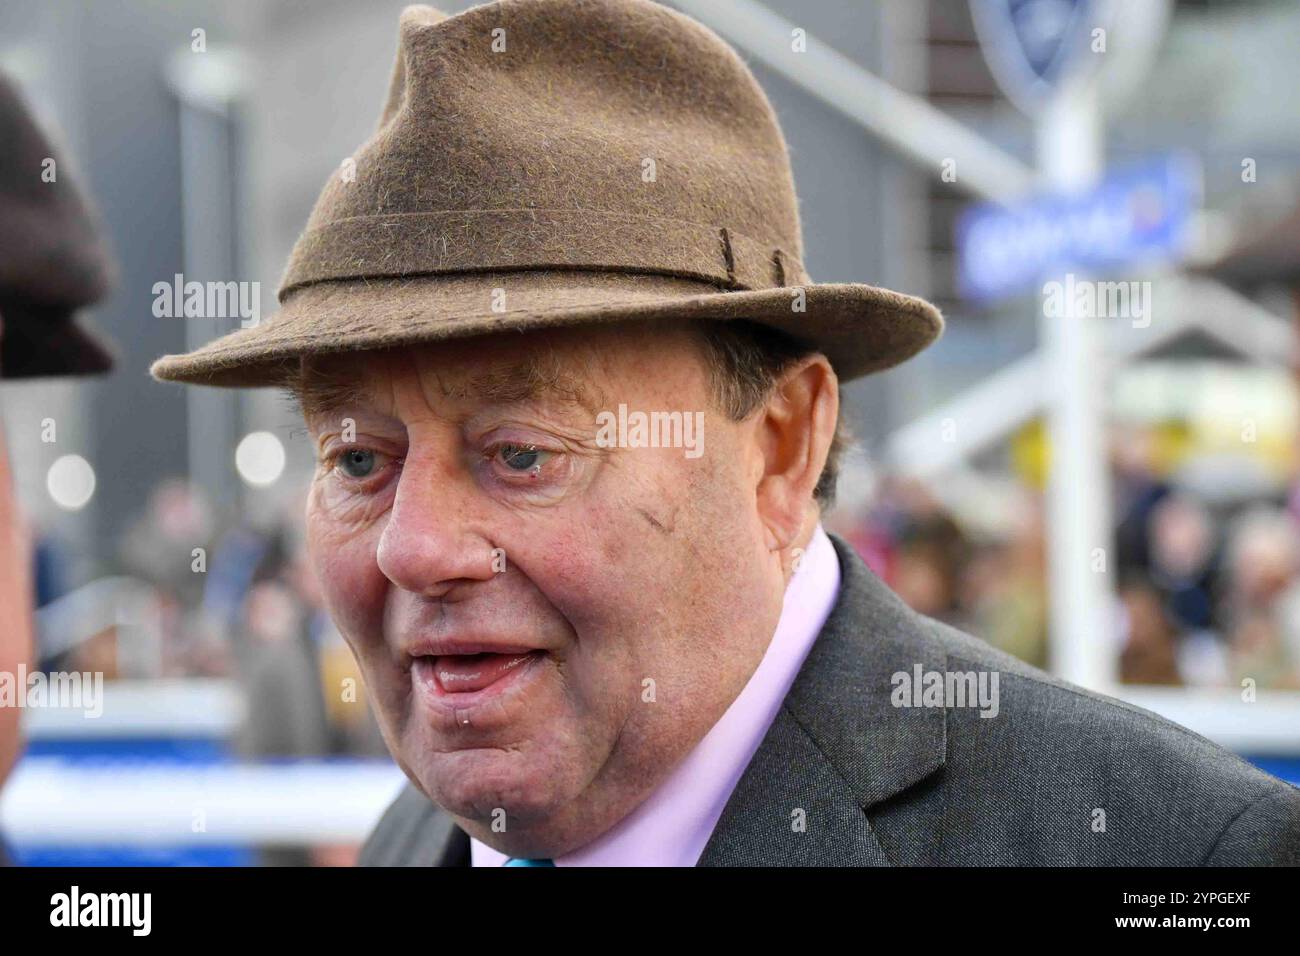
column 794, row 431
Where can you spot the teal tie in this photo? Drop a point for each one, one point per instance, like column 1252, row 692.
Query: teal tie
column 528, row 863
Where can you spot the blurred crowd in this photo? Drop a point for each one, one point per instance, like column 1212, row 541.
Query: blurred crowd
column 216, row 599
column 1208, row 587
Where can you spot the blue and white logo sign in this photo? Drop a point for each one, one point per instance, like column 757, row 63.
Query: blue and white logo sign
column 1134, row 217
column 1034, row 47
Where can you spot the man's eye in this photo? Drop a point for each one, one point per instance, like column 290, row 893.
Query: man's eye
column 522, row 458
column 357, row 463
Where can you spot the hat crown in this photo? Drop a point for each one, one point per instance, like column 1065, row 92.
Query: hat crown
column 587, row 134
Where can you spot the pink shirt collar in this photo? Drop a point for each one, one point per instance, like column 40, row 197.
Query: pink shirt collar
column 672, row 826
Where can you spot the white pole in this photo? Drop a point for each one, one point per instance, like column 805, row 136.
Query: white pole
column 1080, row 552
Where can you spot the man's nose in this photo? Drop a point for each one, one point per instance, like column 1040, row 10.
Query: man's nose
column 433, row 540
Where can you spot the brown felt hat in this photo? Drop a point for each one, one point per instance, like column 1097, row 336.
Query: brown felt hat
column 556, row 162
column 52, row 258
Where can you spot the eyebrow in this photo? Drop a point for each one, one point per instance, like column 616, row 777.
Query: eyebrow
column 318, row 390
column 325, row 390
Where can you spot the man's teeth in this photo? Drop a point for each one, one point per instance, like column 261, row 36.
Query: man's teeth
column 449, row 677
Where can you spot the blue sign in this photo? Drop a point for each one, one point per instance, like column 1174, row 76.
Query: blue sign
column 1034, row 47
column 1136, row 216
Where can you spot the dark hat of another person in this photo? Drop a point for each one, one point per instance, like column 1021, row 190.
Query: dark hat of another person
column 53, row 260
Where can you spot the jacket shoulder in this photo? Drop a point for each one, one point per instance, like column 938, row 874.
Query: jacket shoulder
column 1099, row 780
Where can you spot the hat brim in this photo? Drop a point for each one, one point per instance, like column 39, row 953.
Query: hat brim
column 860, row 328
column 48, row 343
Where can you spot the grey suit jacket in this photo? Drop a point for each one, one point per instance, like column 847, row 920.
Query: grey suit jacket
column 1060, row 776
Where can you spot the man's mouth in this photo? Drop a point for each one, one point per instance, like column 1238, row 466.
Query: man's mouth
column 467, row 673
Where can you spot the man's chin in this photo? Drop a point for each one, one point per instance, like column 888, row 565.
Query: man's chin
column 494, row 788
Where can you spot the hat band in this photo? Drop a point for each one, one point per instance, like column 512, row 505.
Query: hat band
column 506, row 240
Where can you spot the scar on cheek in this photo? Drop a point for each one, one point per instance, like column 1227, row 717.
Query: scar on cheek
column 657, row 524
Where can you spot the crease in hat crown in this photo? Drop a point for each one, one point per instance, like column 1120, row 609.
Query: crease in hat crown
column 614, row 136
column 595, row 160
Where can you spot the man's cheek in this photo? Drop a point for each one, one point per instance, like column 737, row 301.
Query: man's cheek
column 351, row 582
column 565, row 557
column 637, row 513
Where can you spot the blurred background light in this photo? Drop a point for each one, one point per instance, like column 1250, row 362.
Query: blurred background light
column 260, row 459
column 70, row 482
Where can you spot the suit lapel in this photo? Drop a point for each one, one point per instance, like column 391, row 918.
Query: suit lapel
column 454, row 847
column 791, row 808
column 838, row 746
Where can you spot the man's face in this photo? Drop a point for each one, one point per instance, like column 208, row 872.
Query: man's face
column 547, row 625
